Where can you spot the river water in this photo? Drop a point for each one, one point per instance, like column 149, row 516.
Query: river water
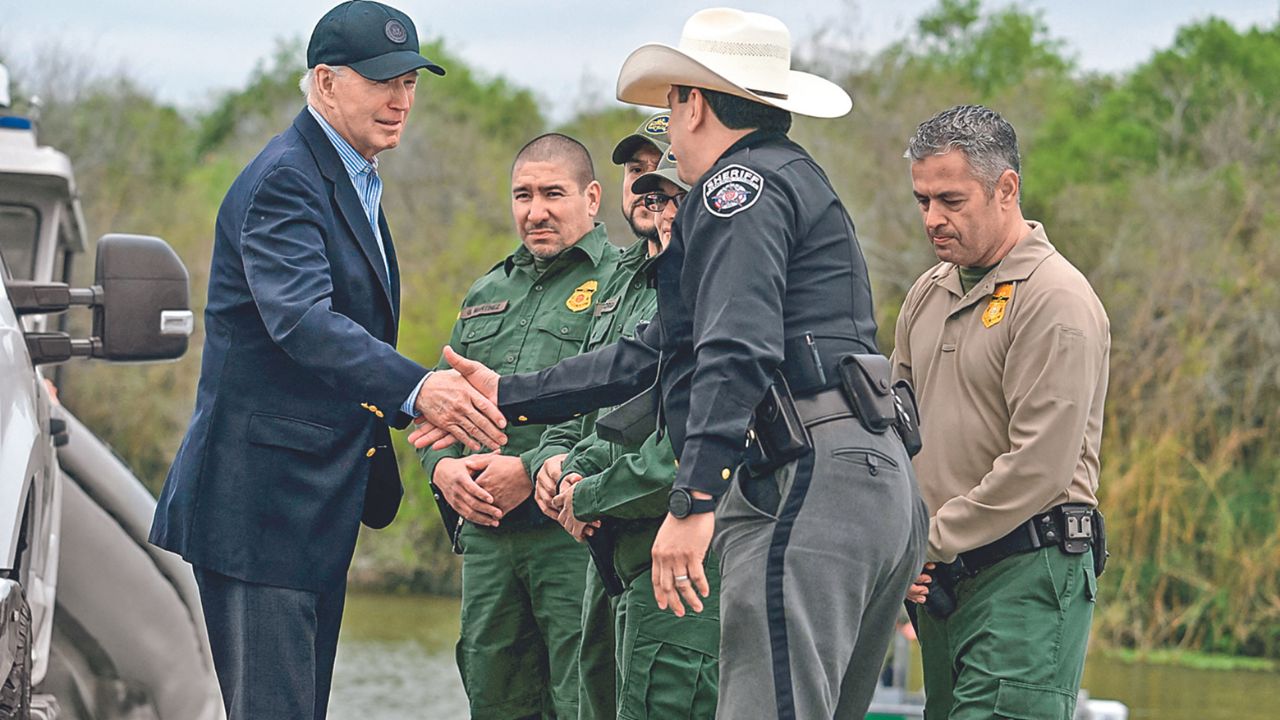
column 395, row 662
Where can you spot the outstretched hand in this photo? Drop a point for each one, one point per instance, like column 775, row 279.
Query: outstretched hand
column 459, row 405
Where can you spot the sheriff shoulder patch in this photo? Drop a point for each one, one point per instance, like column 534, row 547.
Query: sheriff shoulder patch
column 581, row 298
column 731, row 190
column 995, row 307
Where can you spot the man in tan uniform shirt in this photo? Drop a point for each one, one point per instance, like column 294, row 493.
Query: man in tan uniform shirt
column 1006, row 344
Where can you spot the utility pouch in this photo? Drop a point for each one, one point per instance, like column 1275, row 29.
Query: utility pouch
column 777, row 434
column 600, row 545
column 908, row 417
column 1077, row 529
column 866, row 382
column 1100, row 553
column 632, row 422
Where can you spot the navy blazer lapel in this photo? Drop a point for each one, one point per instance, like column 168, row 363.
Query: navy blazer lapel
column 393, row 263
column 345, row 197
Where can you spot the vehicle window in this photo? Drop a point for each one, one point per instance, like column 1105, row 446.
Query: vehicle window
column 19, row 237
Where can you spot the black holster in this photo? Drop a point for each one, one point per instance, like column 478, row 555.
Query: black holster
column 632, row 422
column 450, row 520
column 941, row 600
column 777, row 434
column 600, row 545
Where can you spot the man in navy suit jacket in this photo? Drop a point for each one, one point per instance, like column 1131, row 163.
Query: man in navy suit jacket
column 289, row 445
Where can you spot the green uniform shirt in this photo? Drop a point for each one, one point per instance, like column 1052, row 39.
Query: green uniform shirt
column 515, row 319
column 630, row 484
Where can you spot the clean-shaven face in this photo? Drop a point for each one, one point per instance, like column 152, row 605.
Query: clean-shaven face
column 371, row 114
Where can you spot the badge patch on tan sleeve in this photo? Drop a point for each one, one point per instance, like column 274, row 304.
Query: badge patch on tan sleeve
column 581, row 298
column 995, row 307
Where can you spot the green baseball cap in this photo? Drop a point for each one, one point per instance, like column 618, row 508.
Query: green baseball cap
column 376, row 40
column 652, row 130
column 666, row 170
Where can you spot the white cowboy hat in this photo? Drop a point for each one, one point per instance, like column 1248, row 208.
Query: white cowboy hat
column 740, row 53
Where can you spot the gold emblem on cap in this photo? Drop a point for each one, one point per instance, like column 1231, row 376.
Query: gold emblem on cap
column 581, row 298
column 658, row 125
column 726, row 473
column 995, row 307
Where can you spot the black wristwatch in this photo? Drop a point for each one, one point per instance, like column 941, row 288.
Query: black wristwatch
column 682, row 504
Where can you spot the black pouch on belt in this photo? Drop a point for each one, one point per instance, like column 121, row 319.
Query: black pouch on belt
column 1099, row 544
column 866, row 382
column 631, row 422
column 908, row 421
column 777, row 435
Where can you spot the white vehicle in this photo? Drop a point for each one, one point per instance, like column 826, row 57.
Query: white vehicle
column 95, row 624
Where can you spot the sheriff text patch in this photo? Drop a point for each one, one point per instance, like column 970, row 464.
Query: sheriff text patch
column 731, row 190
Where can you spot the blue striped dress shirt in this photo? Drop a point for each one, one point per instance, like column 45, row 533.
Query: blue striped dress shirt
column 364, row 177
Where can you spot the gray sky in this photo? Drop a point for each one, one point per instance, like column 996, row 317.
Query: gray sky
column 186, row 50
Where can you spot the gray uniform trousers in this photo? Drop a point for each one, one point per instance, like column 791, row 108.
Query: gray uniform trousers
column 815, row 562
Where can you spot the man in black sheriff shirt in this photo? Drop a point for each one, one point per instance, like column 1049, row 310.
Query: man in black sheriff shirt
column 818, row 536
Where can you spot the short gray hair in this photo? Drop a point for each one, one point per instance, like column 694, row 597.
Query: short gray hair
column 987, row 140
column 309, row 78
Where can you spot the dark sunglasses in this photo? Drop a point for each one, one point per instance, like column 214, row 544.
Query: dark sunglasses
column 657, row 202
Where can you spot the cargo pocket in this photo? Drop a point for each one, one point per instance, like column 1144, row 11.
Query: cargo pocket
column 1021, row 701
column 1090, row 583
column 671, row 667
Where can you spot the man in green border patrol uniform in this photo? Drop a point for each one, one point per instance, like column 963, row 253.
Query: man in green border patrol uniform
column 517, row 652
column 667, row 665
column 1007, row 345
column 638, row 153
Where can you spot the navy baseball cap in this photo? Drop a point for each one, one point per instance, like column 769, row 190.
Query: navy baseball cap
column 375, row 40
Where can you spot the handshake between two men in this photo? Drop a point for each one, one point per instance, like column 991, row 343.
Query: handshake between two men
column 461, row 405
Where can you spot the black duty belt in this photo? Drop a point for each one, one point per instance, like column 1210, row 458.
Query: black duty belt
column 824, row 406
column 1068, row 526
column 809, row 361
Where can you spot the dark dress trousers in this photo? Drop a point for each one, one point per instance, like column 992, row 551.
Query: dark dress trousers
column 289, row 444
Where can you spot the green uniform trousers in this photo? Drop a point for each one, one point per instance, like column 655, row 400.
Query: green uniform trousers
column 597, row 693
column 520, row 627
column 667, row 666
column 1015, row 646
column 641, row 663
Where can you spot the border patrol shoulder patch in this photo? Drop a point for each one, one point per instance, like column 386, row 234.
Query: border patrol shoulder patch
column 732, row 190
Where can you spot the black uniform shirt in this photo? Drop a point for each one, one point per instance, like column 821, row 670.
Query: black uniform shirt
column 762, row 251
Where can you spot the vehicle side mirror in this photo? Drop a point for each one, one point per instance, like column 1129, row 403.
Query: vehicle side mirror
column 145, row 310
